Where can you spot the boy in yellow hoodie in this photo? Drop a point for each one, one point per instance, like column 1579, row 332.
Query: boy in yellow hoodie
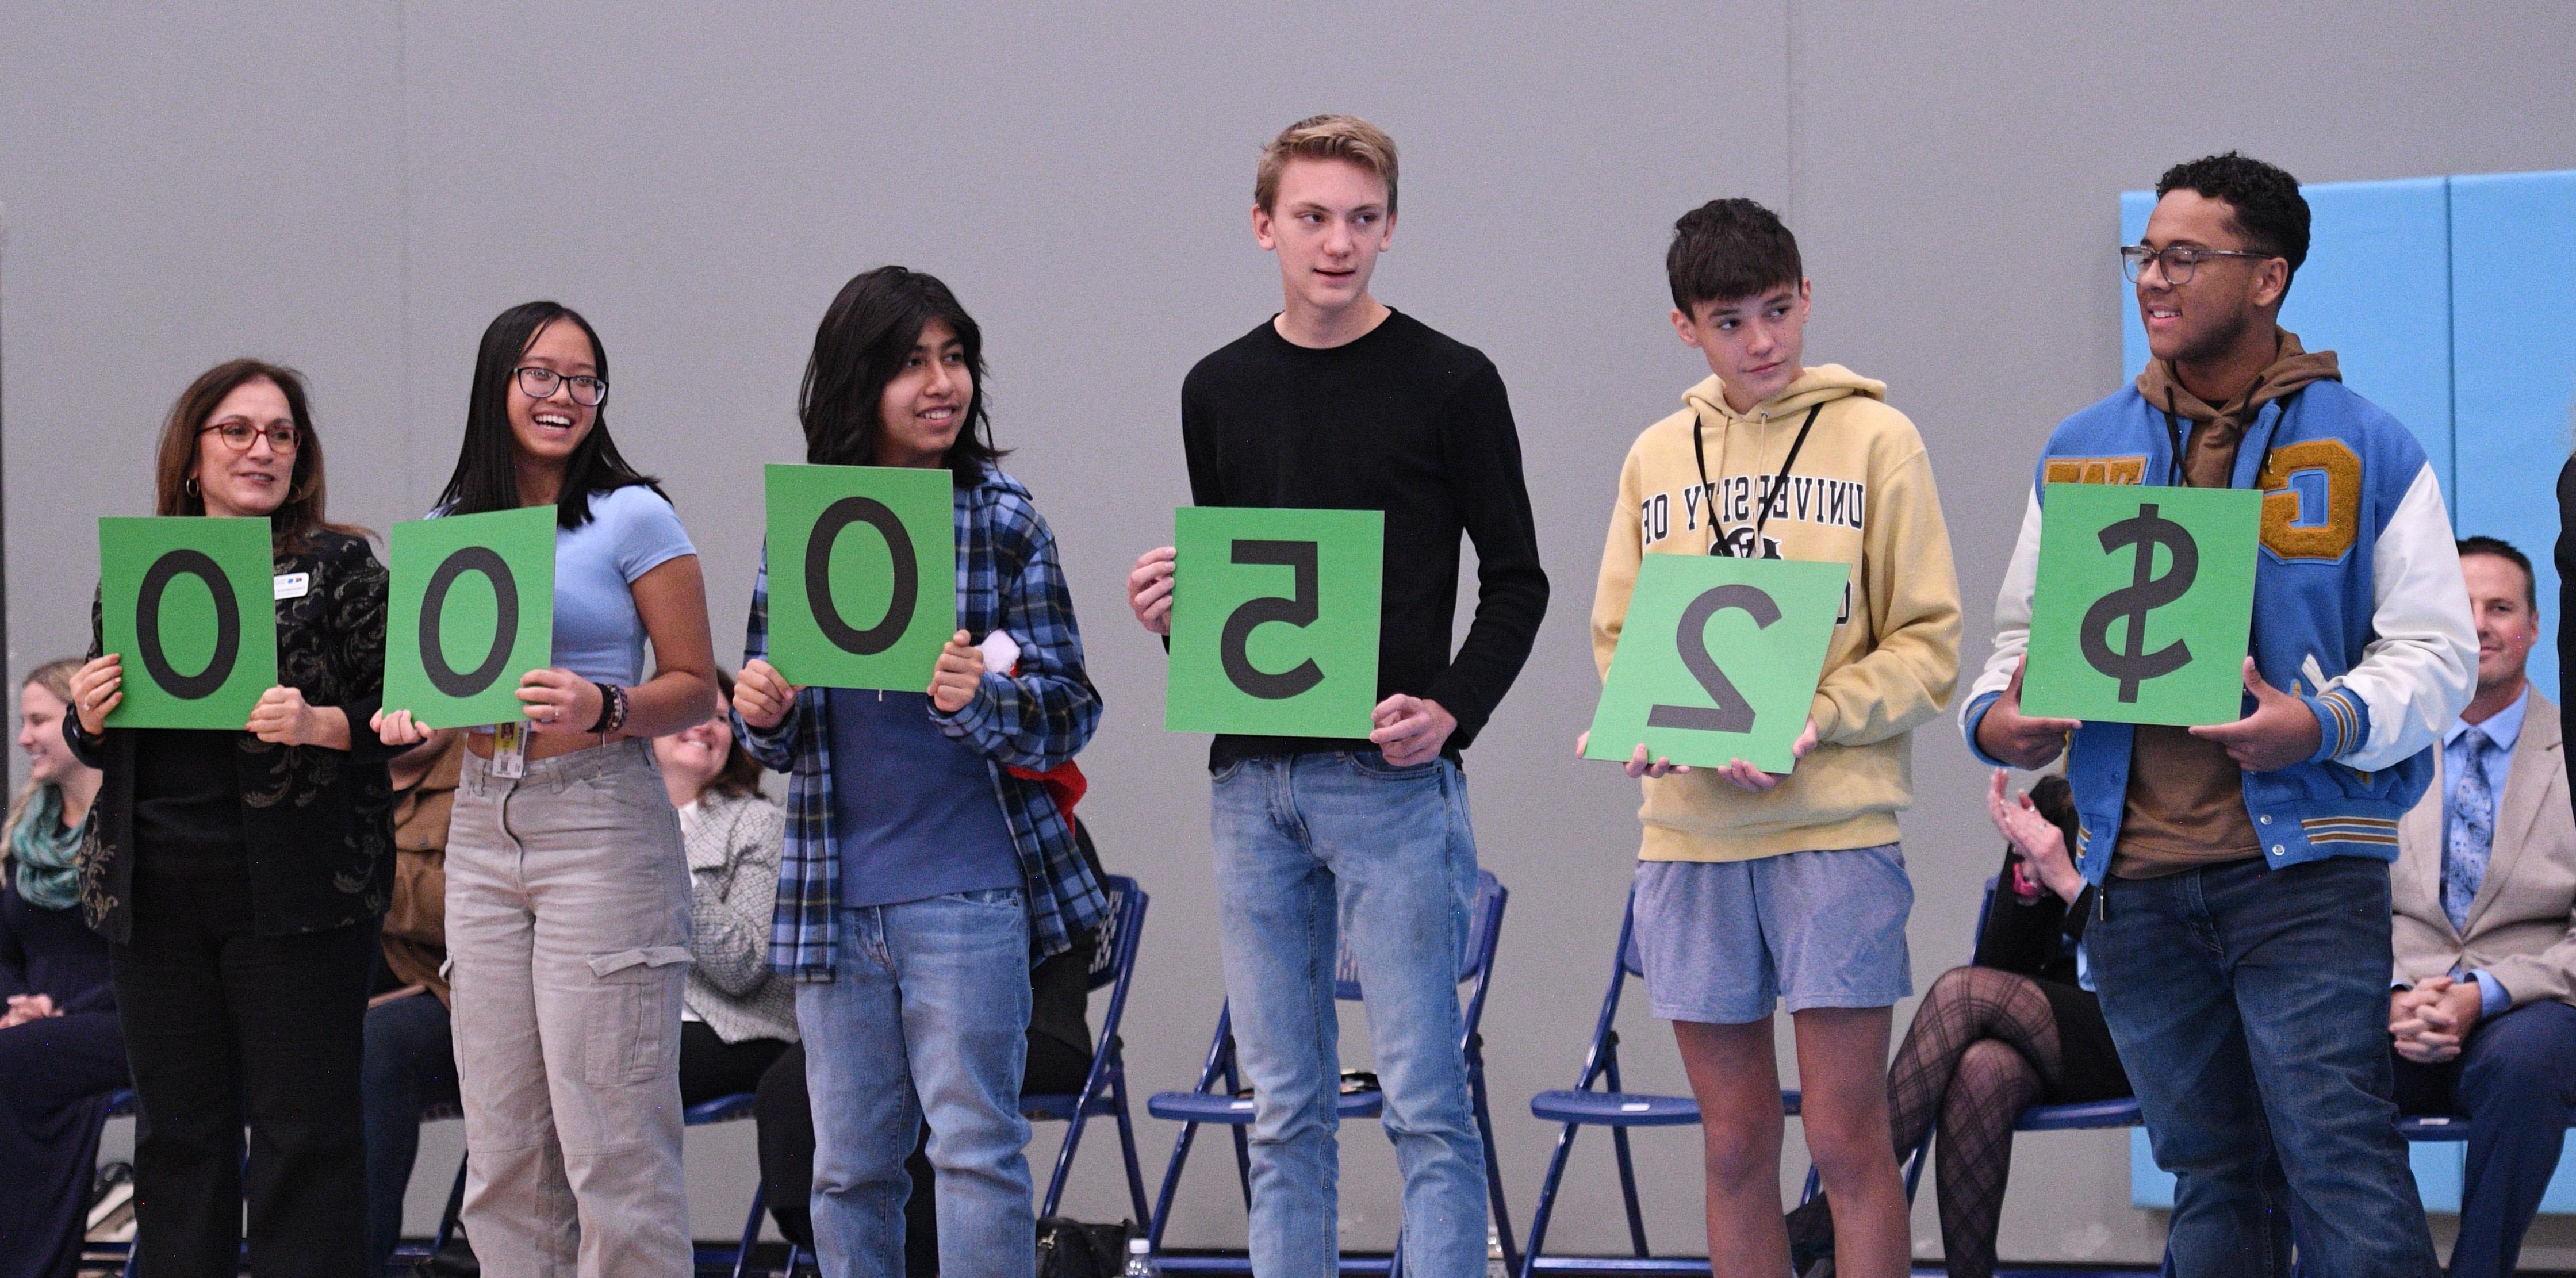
column 1753, row 887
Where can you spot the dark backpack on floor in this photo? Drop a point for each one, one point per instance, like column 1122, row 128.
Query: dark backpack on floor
column 1071, row 1249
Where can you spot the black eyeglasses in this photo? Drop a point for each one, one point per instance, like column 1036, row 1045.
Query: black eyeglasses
column 538, row 383
column 238, row 436
column 2178, row 260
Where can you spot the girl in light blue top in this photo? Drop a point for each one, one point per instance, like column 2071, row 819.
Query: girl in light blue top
column 567, row 888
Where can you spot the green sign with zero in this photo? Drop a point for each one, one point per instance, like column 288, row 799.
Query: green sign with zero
column 1274, row 621
column 862, row 574
column 2144, row 600
column 1718, row 660
column 472, row 608
column 189, row 602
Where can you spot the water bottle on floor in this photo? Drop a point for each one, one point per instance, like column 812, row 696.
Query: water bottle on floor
column 1495, row 1267
column 1140, row 1261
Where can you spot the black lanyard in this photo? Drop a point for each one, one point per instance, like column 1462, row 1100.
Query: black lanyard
column 1777, row 494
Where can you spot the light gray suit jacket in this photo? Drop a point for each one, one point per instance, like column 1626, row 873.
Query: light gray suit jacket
column 2522, row 924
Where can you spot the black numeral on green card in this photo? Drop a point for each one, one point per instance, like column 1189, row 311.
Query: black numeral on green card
column 147, row 624
column 900, row 601
column 433, row 611
column 1299, row 609
column 1732, row 713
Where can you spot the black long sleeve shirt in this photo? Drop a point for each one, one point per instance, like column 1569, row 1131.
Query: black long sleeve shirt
column 1409, row 422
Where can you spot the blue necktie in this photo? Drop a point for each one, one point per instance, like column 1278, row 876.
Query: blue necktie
column 2472, row 832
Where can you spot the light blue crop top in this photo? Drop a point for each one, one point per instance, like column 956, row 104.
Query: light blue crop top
column 598, row 633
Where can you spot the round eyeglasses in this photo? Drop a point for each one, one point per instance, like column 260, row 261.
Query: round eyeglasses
column 539, row 383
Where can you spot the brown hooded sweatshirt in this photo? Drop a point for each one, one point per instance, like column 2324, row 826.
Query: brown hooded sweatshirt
column 2186, row 801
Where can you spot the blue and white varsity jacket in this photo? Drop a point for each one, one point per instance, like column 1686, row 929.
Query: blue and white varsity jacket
column 2359, row 609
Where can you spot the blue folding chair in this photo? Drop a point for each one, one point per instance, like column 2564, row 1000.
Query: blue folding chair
column 1599, row 1100
column 1213, row 1099
column 120, row 1104
column 1104, row 1089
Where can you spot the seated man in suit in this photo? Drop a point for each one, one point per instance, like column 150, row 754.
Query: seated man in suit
column 2484, row 889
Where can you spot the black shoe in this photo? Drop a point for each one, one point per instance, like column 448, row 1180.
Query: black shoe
column 1811, row 1238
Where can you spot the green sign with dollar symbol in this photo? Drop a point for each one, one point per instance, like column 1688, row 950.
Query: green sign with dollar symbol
column 2145, row 598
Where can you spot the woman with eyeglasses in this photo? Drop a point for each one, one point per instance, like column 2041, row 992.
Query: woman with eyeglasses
column 238, row 876
column 568, row 901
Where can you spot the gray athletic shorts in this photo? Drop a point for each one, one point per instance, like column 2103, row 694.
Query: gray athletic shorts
column 1721, row 941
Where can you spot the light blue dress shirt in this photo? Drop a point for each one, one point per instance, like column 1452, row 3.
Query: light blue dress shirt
column 2504, row 728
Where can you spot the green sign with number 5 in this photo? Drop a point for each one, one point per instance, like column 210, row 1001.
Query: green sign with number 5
column 1718, row 660
column 1275, row 621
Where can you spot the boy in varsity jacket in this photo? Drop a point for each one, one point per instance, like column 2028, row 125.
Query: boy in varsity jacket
column 2241, row 951
column 1753, row 888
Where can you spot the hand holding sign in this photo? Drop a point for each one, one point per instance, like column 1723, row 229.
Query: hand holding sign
column 98, row 687
column 1669, row 694
column 2144, row 600
column 2280, row 732
column 191, row 599
column 959, row 673
column 761, row 695
column 1149, row 590
column 1279, row 635
column 862, row 574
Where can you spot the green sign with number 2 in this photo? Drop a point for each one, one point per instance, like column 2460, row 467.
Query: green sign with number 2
column 1718, row 660
column 1274, row 621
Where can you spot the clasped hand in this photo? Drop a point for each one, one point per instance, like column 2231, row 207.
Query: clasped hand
column 2429, row 1022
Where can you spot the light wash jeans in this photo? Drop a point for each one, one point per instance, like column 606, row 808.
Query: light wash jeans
column 926, row 1016
column 1310, row 849
column 567, row 941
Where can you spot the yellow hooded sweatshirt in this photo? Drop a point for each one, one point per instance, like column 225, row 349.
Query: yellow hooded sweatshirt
column 1861, row 493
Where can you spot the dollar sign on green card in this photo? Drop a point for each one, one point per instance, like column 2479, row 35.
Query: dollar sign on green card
column 2146, row 592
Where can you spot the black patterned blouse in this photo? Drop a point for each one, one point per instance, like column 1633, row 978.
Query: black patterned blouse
column 317, row 823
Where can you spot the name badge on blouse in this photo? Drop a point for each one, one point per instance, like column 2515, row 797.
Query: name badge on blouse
column 293, row 585
column 510, row 750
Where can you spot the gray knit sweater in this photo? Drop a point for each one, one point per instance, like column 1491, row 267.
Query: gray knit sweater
column 733, row 882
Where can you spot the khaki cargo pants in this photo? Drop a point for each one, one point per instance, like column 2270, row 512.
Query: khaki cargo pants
column 567, row 942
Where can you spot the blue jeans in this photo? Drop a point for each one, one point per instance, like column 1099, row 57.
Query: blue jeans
column 926, row 1016
column 410, row 1065
column 1312, row 850
column 2250, row 1006
column 2516, row 1080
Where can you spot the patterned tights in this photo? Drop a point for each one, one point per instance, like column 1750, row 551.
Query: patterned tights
column 1982, row 1046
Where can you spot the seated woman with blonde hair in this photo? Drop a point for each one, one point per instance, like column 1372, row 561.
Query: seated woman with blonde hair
column 61, row 1053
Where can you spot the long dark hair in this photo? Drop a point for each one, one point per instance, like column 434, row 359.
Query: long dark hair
column 860, row 346
column 485, row 480
column 293, row 523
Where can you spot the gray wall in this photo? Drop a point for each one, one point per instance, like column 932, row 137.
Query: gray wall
column 358, row 189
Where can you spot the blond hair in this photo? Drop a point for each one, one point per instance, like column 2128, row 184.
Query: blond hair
column 1325, row 137
column 54, row 677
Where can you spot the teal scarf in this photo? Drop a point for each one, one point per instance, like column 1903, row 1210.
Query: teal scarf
column 48, row 855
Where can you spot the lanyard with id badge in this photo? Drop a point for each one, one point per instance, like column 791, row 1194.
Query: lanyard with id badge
column 509, row 750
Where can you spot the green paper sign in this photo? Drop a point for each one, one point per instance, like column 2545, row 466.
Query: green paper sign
column 472, row 608
column 1718, row 660
column 862, row 574
column 2145, row 597
column 1274, row 621
column 190, row 604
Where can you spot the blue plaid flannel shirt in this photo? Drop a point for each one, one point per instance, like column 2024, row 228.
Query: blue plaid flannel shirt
column 1008, row 578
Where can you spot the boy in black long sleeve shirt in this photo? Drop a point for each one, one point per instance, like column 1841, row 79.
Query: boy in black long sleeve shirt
column 1340, row 403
